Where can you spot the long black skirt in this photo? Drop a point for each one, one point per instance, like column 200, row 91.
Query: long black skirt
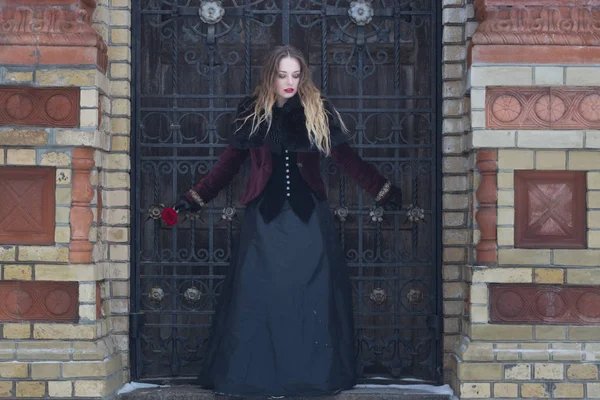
column 284, row 325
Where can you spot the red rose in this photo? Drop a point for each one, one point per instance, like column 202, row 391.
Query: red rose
column 169, row 215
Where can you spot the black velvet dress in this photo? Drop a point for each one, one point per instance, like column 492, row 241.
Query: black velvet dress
column 284, row 325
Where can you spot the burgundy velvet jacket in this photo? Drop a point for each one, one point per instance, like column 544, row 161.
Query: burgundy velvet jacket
column 295, row 136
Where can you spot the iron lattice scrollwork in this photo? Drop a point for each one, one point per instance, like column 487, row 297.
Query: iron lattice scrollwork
column 377, row 60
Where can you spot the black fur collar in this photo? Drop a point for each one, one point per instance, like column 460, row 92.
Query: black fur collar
column 289, row 122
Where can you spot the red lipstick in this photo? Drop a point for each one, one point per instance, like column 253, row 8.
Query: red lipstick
column 289, row 90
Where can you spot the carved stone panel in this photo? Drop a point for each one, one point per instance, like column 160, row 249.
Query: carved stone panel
column 550, row 209
column 543, row 108
column 51, row 107
column 27, row 205
column 549, row 304
column 38, row 301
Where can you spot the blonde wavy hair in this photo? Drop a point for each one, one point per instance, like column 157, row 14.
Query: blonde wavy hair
column 317, row 118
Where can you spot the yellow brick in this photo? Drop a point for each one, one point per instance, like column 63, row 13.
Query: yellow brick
column 63, row 176
column 120, row 70
column 90, row 351
column 7, row 253
column 502, row 275
column 120, row 17
column 60, row 388
column 89, row 98
column 20, row 157
column 479, row 372
column 506, row 180
column 13, row 370
column 566, row 352
column 120, row 126
column 66, row 77
column 6, row 389
column 534, row 390
column 117, row 180
column 499, row 332
column 584, row 160
column 121, row 107
column 479, row 314
column 568, row 390
column 31, row 389
column 506, row 216
column 475, row 390
column 506, row 390
column 119, row 252
column 63, row 331
column 23, row 137
column 549, row 371
column 17, row 272
column 70, row 272
column 88, row 117
column 517, row 371
column 62, row 214
column 116, row 198
column 19, row 77
column 523, row 257
column 552, row 160
column 547, row 275
column 515, row 159
column 62, row 234
column 593, row 390
column 582, row 371
column 583, row 276
column 550, row 333
column 56, row 159
column 593, row 180
column 593, row 219
column 507, row 352
column 589, row 258
column 506, row 236
column 479, row 294
column 44, row 350
column 534, row 351
column 45, row 370
column 506, row 198
column 118, row 53
column 584, row 333
column 593, row 199
column 90, row 388
column 16, row 331
column 63, row 196
column 120, row 143
column 39, row 253
column 87, row 312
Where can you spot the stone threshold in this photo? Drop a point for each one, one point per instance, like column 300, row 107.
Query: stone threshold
column 186, row 392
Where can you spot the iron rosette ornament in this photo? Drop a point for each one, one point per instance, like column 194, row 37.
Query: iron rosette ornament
column 211, row 11
column 361, row 12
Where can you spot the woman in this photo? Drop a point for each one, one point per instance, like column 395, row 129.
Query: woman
column 284, row 324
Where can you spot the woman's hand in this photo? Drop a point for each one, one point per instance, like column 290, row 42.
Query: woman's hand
column 394, row 200
column 171, row 214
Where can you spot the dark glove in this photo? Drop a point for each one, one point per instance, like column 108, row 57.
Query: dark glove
column 394, row 200
column 183, row 205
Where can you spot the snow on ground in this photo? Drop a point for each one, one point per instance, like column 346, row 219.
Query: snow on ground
column 445, row 389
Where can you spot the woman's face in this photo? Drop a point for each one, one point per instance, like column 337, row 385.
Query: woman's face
column 288, row 77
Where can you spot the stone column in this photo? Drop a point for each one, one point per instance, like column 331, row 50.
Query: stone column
column 533, row 327
column 55, row 132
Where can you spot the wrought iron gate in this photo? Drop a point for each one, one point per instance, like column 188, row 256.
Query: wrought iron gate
column 379, row 62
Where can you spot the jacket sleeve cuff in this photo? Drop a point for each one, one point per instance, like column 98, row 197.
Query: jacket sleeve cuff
column 384, row 193
column 194, row 197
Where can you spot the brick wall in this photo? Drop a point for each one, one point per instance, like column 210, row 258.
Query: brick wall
column 63, row 158
column 459, row 24
column 532, row 327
